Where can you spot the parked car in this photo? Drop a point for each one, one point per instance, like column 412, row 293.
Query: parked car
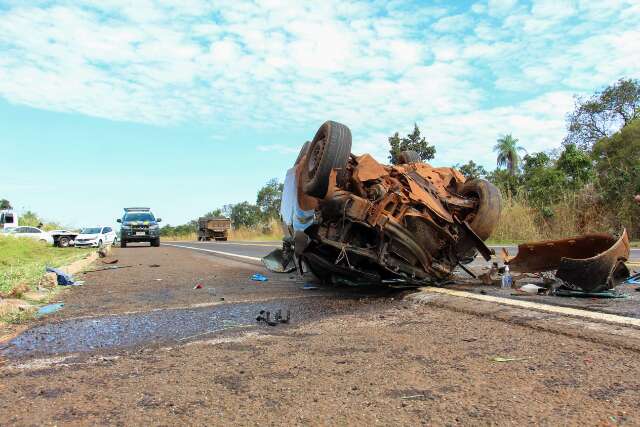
column 95, row 237
column 352, row 220
column 32, row 233
column 63, row 238
column 139, row 225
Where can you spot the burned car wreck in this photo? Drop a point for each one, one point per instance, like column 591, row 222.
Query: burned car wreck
column 349, row 219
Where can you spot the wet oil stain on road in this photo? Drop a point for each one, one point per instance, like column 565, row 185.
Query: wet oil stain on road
column 171, row 325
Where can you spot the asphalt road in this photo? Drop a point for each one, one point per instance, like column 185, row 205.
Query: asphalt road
column 172, row 338
column 260, row 249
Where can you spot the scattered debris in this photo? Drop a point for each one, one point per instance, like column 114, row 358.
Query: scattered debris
column 17, row 291
column 259, row 278
column 610, row 293
column 113, row 267
column 309, row 287
column 198, row 286
column 154, row 265
column 265, row 316
column 63, row 278
column 49, row 308
column 530, row 288
column 633, row 280
column 414, row 397
column 110, row 261
column 507, row 359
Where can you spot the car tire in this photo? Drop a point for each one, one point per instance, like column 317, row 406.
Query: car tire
column 303, row 151
column 409, row 156
column 100, row 243
column 329, row 149
column 155, row 242
column 63, row 242
column 123, row 243
column 485, row 219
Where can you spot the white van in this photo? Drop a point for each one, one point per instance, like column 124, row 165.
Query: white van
column 8, row 219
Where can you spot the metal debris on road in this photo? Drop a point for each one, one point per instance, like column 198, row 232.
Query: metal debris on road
column 265, row 316
column 113, row 267
column 154, row 265
column 198, row 286
column 589, row 263
column 309, row 287
column 259, row 278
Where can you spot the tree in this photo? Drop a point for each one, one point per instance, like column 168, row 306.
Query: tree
column 29, row 219
column 603, row 113
column 507, row 149
column 214, row 213
column 471, row 170
column 269, row 198
column 505, row 181
column 245, row 214
column 543, row 183
column 5, row 204
column 577, row 165
column 413, row 141
column 618, row 166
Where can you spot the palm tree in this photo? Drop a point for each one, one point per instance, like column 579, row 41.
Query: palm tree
column 507, row 149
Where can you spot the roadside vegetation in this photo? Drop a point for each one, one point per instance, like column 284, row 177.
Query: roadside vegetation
column 22, row 265
column 587, row 184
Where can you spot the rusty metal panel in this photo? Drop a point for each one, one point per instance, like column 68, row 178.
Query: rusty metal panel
column 369, row 169
column 590, row 262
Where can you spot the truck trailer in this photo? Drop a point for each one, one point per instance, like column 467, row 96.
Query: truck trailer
column 213, row 228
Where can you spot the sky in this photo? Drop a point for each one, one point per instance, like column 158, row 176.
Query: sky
column 187, row 105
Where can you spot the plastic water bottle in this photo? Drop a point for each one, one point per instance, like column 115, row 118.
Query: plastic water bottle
column 507, row 280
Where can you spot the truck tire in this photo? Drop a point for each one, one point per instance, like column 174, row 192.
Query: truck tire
column 408, row 156
column 155, row 242
column 63, row 241
column 123, row 243
column 486, row 217
column 329, row 149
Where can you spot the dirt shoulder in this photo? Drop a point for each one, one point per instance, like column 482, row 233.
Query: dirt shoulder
column 378, row 361
column 407, row 365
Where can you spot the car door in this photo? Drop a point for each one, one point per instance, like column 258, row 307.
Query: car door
column 20, row 232
column 32, row 232
column 109, row 235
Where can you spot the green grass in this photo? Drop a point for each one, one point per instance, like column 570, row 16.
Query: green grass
column 23, row 260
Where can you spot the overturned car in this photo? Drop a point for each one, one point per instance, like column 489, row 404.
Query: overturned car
column 349, row 219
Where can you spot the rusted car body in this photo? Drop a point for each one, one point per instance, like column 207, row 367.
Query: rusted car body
column 591, row 263
column 352, row 220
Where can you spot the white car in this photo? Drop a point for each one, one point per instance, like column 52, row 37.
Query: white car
column 32, row 233
column 95, row 237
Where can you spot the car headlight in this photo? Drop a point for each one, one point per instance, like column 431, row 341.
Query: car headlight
column 154, row 227
column 126, row 227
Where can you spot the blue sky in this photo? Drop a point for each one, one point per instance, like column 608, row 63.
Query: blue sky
column 186, row 105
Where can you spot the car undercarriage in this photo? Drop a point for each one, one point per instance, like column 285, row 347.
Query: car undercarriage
column 349, row 219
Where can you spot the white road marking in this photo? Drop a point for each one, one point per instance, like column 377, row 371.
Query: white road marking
column 593, row 315
column 265, row 244
column 252, row 258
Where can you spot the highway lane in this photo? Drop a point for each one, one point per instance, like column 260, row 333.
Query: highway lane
column 260, row 249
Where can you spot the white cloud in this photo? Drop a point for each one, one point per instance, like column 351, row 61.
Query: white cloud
column 276, row 64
